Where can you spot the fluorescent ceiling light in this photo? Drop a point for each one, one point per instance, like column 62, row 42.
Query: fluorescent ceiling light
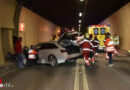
column 79, row 21
column 81, row 0
column 80, row 14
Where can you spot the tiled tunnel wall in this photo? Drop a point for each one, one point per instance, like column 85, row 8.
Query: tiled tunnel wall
column 120, row 24
column 7, row 10
column 37, row 29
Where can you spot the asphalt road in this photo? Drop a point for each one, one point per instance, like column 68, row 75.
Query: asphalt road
column 42, row 77
column 72, row 76
column 103, row 77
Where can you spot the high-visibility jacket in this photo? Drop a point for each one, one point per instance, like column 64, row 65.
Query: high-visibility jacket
column 32, row 54
column 109, row 45
column 95, row 43
column 86, row 45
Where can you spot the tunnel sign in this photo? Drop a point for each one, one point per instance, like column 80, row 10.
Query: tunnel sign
column 21, row 26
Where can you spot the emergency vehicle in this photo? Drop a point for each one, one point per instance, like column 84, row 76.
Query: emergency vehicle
column 99, row 31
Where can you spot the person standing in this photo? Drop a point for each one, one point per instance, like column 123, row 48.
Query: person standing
column 109, row 48
column 18, row 52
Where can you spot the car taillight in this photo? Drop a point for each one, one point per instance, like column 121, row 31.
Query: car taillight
column 63, row 51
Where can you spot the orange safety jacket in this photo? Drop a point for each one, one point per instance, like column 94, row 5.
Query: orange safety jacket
column 109, row 45
column 32, row 54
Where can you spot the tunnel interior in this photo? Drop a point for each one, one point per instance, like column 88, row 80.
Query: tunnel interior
column 65, row 12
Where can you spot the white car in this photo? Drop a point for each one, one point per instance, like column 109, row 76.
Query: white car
column 51, row 53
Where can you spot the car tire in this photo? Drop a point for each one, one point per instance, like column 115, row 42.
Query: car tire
column 52, row 60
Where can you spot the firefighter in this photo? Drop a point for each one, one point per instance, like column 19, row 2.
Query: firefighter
column 95, row 45
column 32, row 55
column 86, row 46
column 91, row 57
column 109, row 48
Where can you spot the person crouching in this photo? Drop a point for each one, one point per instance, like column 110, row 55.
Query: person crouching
column 32, row 56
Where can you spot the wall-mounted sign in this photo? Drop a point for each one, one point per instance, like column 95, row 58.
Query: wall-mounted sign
column 21, row 26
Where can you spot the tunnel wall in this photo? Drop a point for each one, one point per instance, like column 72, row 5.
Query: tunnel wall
column 120, row 24
column 37, row 28
column 7, row 10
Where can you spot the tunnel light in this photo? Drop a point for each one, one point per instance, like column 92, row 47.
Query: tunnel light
column 81, row 0
column 80, row 14
column 21, row 26
column 79, row 25
column 79, row 21
column 58, row 31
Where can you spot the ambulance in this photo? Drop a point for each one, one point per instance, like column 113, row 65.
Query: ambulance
column 99, row 31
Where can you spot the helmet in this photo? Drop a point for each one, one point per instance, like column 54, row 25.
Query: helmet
column 86, row 35
column 128, row 51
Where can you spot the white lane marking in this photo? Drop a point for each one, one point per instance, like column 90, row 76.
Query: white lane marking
column 76, row 82
column 84, row 76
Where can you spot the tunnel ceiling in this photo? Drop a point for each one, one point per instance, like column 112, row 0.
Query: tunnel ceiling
column 65, row 12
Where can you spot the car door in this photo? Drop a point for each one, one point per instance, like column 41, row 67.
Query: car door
column 45, row 50
column 42, row 52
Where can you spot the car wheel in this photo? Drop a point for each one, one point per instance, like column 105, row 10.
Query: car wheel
column 52, row 60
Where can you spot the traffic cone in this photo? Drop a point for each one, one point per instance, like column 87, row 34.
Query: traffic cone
column 1, row 85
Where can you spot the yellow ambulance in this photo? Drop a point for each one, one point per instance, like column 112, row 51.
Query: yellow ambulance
column 99, row 31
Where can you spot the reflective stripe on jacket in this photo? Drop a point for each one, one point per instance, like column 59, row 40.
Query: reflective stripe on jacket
column 95, row 43
column 109, row 45
column 86, row 45
column 32, row 54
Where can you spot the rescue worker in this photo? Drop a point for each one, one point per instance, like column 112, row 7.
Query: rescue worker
column 32, row 55
column 91, row 57
column 109, row 48
column 86, row 46
column 95, row 45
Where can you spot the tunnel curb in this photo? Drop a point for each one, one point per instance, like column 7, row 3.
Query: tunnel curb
column 6, row 68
